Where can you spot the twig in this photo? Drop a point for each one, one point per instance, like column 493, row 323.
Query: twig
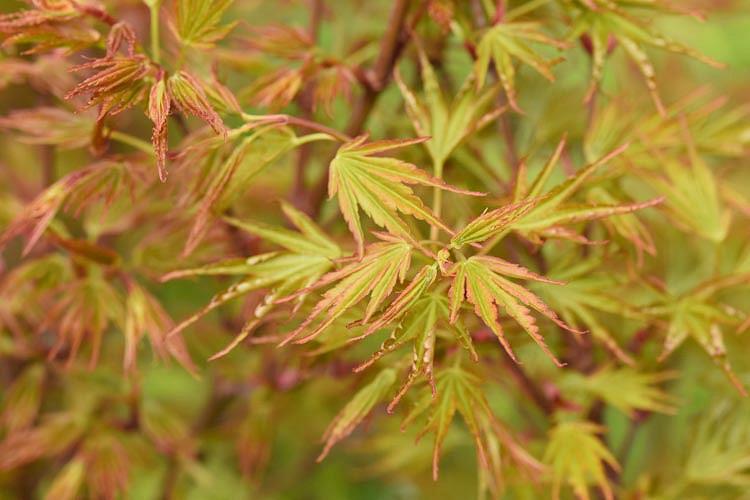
column 391, row 46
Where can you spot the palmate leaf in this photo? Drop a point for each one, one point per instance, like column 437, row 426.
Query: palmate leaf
column 505, row 41
column 549, row 217
column 607, row 20
column 84, row 310
column 588, row 292
column 51, row 126
column 697, row 314
column 578, row 457
column 483, row 282
column 719, row 455
column 626, row 389
column 197, row 22
column 383, row 265
column 420, row 316
column 457, row 391
column 360, row 405
column 715, row 128
column 447, row 124
column 537, row 215
column 692, row 195
column 99, row 182
column 22, row 399
column 309, row 255
column 380, row 187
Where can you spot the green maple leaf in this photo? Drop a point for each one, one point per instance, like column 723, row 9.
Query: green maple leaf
column 380, row 187
column 309, row 255
column 457, row 390
column 448, row 124
column 198, row 22
column 505, row 41
column 537, row 215
column 483, row 281
column 697, row 314
column 578, row 457
column 605, row 21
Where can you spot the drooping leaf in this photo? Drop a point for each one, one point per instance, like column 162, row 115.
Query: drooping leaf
column 483, row 282
column 456, row 390
column 310, row 255
column 360, row 405
column 604, row 22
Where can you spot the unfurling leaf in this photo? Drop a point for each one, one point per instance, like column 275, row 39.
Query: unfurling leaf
column 159, row 104
column 188, row 95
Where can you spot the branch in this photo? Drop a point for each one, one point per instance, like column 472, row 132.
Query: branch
column 393, row 42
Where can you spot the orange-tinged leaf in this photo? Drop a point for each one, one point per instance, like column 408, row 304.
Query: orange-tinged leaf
column 376, row 274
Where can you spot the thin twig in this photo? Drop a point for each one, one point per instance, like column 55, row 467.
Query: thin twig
column 391, row 46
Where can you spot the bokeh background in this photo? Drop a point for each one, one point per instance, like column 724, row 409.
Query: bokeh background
column 224, row 436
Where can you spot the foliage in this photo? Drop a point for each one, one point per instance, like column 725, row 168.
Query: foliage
column 458, row 240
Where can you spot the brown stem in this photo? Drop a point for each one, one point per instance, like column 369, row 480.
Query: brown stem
column 299, row 196
column 499, row 12
column 391, row 46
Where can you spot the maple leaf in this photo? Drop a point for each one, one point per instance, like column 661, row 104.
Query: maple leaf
column 605, row 22
column 383, row 265
column 537, row 215
column 505, row 41
column 50, row 126
column 588, row 292
column 101, row 181
column 380, row 187
column 624, row 388
column 358, row 407
column 310, row 254
column 691, row 192
column 118, row 84
column 483, row 281
column 448, row 125
column 197, row 22
column 578, row 457
column 699, row 315
column 419, row 317
column 22, row 399
column 457, row 391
